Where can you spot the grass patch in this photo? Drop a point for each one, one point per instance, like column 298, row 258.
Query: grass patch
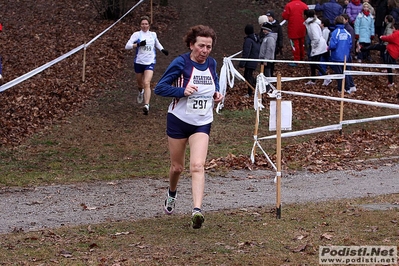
column 235, row 237
column 100, row 145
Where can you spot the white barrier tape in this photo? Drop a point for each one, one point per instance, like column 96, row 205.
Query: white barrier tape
column 222, row 86
column 252, row 157
column 379, row 104
column 379, row 118
column 256, row 143
column 231, row 56
column 30, row 74
column 278, row 175
column 363, row 73
column 306, row 131
column 361, row 65
column 38, row 70
column 227, row 75
column 116, row 22
column 261, row 83
column 331, row 127
column 231, row 72
column 333, row 76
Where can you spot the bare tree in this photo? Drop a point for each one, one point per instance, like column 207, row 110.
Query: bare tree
column 111, row 9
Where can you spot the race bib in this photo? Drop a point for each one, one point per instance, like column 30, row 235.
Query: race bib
column 199, row 104
column 146, row 48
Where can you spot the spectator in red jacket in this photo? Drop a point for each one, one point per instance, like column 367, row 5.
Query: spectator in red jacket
column 293, row 14
column 392, row 50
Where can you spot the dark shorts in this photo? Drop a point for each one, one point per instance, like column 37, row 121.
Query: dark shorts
column 139, row 68
column 177, row 129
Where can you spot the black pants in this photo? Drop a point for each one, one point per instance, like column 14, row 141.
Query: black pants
column 388, row 59
column 248, row 75
column 363, row 54
column 377, row 47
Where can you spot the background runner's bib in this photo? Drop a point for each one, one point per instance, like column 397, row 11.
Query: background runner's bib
column 146, row 54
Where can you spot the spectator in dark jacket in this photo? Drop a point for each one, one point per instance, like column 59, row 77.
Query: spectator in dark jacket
column 394, row 9
column 344, row 6
column 351, row 30
column 381, row 11
column 250, row 50
column 330, row 10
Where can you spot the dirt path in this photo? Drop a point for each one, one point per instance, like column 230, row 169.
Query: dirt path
column 38, row 208
column 31, row 209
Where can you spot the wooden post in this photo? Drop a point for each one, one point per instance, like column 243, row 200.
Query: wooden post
column 151, row 11
column 278, row 147
column 341, row 111
column 84, row 64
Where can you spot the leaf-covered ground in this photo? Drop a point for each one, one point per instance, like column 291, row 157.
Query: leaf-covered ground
column 35, row 34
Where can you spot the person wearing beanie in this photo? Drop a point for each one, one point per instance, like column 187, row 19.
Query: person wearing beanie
column 262, row 19
column 268, row 47
column 293, row 14
column 353, row 9
column 250, row 49
column 364, row 31
column 276, row 28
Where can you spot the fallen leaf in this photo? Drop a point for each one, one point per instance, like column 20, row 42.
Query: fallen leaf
column 326, row 236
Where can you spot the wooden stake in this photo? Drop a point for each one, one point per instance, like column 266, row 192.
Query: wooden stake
column 278, row 147
column 341, row 112
column 84, row 64
column 151, row 11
